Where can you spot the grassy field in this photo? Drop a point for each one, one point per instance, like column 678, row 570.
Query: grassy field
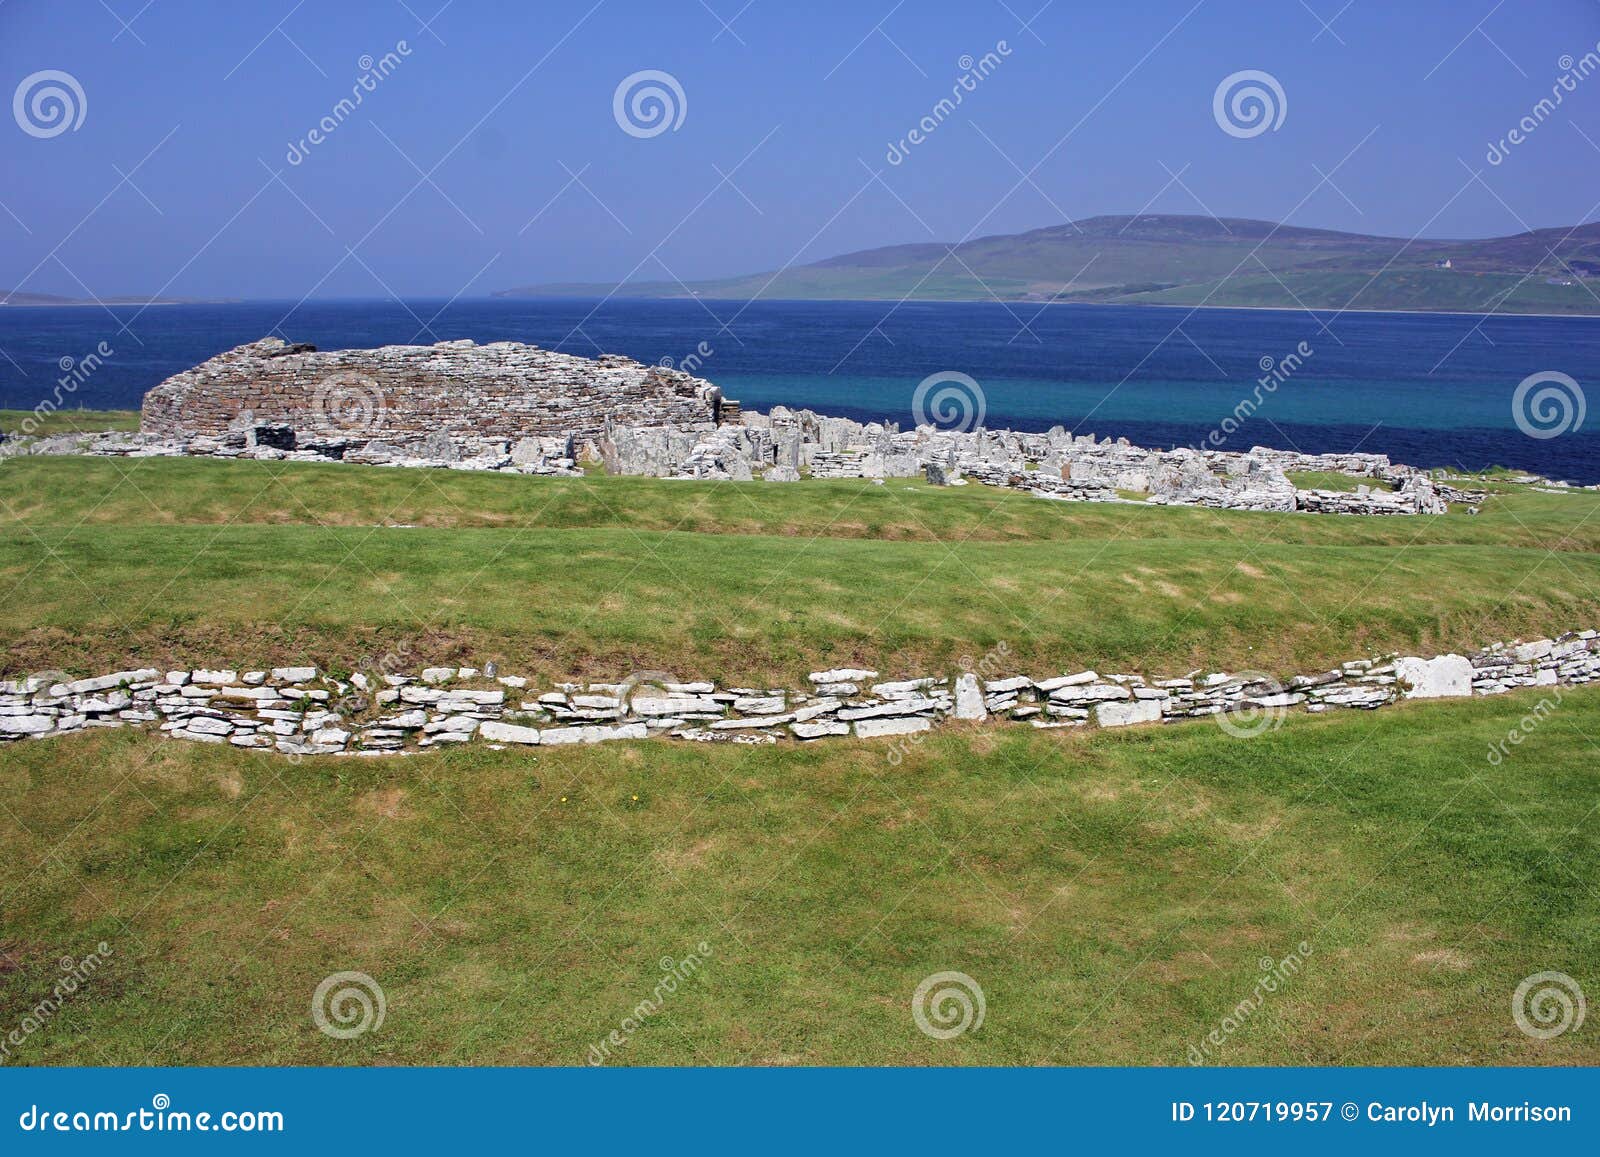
column 67, row 421
column 162, row 560
column 1112, row 894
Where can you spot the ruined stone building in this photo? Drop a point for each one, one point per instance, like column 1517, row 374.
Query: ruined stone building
column 458, row 389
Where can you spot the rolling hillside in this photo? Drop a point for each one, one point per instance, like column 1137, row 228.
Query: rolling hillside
column 1183, row 260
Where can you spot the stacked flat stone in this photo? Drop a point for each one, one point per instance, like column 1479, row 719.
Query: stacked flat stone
column 299, row 711
column 502, row 390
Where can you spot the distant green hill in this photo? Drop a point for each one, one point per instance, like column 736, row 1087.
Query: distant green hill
column 1183, row 260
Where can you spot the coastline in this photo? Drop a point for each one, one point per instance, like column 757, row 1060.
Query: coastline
column 1006, row 301
column 102, row 304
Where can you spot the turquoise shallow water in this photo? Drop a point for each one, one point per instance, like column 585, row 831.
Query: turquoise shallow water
column 1431, row 389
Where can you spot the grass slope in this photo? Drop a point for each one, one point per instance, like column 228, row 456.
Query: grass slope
column 1112, row 893
column 106, row 562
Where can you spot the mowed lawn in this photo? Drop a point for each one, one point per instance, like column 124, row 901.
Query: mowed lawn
column 110, row 562
column 1113, row 894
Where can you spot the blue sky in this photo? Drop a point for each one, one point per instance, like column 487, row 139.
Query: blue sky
column 490, row 155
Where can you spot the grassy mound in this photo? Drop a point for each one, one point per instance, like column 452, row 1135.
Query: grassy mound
column 107, row 562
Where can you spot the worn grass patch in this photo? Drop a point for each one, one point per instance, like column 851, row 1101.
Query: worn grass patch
column 1114, row 895
column 1333, row 480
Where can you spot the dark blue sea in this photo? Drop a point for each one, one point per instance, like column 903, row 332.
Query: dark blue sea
column 1428, row 389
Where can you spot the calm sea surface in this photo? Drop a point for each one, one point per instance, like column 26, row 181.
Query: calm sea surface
column 1428, row 389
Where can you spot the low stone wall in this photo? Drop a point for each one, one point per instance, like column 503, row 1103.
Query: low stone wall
column 301, row 711
column 457, row 389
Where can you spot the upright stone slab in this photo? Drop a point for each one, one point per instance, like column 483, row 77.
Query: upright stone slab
column 1444, row 677
column 969, row 698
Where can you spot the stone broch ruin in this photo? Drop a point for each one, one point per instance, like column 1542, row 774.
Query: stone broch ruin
column 501, row 390
column 509, row 406
column 517, row 408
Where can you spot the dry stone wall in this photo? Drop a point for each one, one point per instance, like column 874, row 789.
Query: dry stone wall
column 302, row 711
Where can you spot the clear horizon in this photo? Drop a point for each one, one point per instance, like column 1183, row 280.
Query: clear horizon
column 224, row 152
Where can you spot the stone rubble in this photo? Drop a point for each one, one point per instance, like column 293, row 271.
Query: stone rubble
column 786, row 445
column 301, row 711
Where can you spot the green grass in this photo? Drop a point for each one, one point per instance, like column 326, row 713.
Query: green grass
column 1394, row 289
column 1112, row 893
column 67, row 421
column 1333, row 480
column 160, row 560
